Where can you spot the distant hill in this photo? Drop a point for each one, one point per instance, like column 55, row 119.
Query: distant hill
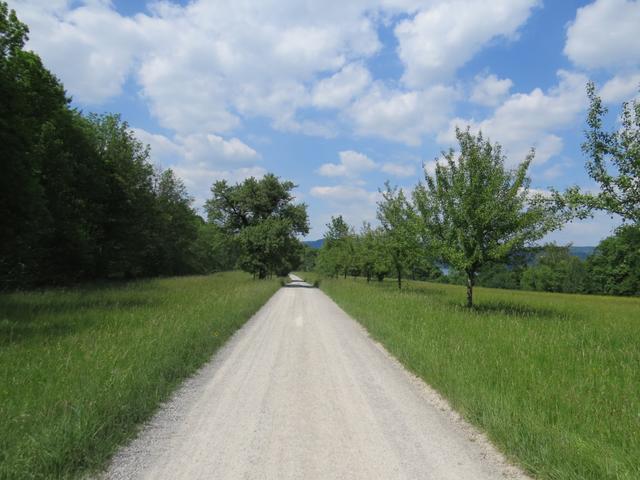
column 581, row 252
column 314, row 243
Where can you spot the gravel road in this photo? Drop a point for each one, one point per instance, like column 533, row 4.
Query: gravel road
column 301, row 392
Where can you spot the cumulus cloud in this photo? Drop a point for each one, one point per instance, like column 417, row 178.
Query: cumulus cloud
column 90, row 47
column 201, row 159
column 444, row 35
column 399, row 169
column 344, row 193
column 203, row 65
column 197, row 148
column 621, row 88
column 354, row 203
column 489, row 90
column 526, row 120
column 402, row 116
column 351, row 164
column 604, row 34
column 338, row 90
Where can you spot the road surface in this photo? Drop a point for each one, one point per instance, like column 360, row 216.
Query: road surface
column 301, row 392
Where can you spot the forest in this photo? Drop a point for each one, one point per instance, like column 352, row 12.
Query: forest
column 81, row 200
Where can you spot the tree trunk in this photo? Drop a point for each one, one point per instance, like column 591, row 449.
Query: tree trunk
column 469, row 290
column 399, row 280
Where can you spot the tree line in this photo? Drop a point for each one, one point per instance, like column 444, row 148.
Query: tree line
column 481, row 220
column 81, row 200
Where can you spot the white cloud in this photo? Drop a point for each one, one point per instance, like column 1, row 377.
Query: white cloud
column 197, row 148
column 587, row 232
column 444, row 35
column 342, row 194
column 90, row 47
column 621, row 88
column 399, row 170
column 338, row 90
column 528, row 120
column 202, row 66
column 164, row 151
column 402, row 116
column 604, row 34
column 354, row 203
column 489, row 90
column 351, row 164
column 201, row 159
column 217, row 150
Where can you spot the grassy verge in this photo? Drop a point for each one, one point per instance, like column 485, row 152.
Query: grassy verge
column 553, row 379
column 80, row 368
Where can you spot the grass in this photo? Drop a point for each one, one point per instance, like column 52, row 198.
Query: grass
column 553, row 379
column 81, row 368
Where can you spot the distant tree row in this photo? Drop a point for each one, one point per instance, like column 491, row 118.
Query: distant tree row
column 80, row 199
column 612, row 269
column 481, row 219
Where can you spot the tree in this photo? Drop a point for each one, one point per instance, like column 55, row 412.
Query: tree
column 476, row 211
column 261, row 216
column 613, row 160
column 79, row 198
column 555, row 270
column 399, row 221
column 337, row 254
column 614, row 267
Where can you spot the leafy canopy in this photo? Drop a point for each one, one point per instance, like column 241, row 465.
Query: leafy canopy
column 474, row 210
column 261, row 216
column 614, row 158
column 399, row 222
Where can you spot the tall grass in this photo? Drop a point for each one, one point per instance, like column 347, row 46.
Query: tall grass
column 80, row 368
column 553, row 379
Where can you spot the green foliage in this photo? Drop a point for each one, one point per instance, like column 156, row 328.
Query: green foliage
column 498, row 275
column 400, row 225
column 309, row 258
column 373, row 258
column 261, row 216
column 614, row 266
column 555, row 270
column 552, row 378
column 81, row 369
column 338, row 251
column 614, row 159
column 475, row 211
column 79, row 198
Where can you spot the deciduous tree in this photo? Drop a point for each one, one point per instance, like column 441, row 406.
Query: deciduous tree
column 476, row 211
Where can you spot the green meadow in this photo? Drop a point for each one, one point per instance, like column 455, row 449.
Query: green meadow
column 553, row 379
column 81, row 368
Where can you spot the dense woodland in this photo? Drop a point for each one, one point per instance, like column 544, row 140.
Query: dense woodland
column 80, row 199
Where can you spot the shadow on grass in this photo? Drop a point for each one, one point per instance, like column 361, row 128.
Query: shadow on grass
column 513, row 310
column 24, row 319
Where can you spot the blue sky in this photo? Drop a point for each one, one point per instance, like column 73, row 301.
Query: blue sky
column 341, row 96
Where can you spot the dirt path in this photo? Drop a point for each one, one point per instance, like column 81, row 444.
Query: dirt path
column 301, row 392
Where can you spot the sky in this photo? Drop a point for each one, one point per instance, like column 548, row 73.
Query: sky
column 341, row 96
